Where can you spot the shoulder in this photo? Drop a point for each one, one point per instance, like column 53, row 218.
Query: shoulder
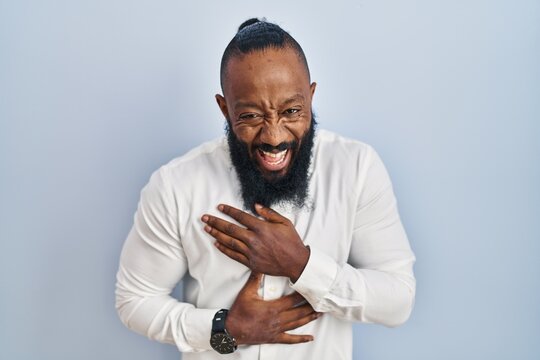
column 207, row 158
column 351, row 163
column 205, row 161
column 211, row 151
column 338, row 149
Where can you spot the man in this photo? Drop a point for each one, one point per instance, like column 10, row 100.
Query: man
column 283, row 235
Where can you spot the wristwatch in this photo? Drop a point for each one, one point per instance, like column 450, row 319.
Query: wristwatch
column 221, row 340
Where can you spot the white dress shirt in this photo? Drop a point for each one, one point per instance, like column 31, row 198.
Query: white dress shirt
column 359, row 269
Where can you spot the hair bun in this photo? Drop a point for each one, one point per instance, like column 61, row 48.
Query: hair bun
column 248, row 22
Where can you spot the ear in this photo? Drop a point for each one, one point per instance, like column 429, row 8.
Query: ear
column 312, row 89
column 222, row 103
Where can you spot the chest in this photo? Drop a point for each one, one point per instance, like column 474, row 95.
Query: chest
column 325, row 223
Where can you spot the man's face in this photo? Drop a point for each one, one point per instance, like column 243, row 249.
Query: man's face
column 270, row 125
column 267, row 102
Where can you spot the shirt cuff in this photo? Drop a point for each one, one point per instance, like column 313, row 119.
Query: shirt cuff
column 317, row 278
column 198, row 328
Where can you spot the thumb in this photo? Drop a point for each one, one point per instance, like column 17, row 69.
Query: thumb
column 253, row 283
column 269, row 214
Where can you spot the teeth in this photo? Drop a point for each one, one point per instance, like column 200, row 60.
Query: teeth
column 276, row 157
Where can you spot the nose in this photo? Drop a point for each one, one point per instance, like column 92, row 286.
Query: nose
column 273, row 133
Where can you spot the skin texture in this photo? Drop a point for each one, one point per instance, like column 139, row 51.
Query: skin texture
column 270, row 245
column 267, row 321
column 267, row 100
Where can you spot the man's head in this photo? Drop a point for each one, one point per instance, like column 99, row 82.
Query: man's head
column 266, row 100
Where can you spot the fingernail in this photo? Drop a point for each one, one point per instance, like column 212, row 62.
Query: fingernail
column 258, row 206
column 220, row 207
column 204, row 218
column 207, row 228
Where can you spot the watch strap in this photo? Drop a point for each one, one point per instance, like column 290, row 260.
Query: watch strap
column 218, row 323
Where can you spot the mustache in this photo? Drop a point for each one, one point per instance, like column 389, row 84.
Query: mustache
column 281, row 147
column 291, row 188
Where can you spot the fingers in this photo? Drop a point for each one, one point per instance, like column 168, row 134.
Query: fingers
column 293, row 339
column 269, row 214
column 301, row 322
column 242, row 217
column 227, row 241
column 298, row 317
column 289, row 301
column 253, row 283
column 296, row 313
column 235, row 255
column 255, row 278
column 229, row 238
column 226, row 227
column 294, row 324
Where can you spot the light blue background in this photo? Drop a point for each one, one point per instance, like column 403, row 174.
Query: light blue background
column 95, row 95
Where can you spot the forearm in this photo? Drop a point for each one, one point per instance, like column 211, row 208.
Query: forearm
column 152, row 312
column 375, row 284
column 145, row 280
column 363, row 295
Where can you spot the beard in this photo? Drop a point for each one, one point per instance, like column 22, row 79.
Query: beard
column 290, row 188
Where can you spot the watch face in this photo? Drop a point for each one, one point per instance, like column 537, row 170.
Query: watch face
column 223, row 343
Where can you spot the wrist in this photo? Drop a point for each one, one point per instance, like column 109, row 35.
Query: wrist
column 221, row 340
column 300, row 264
column 232, row 329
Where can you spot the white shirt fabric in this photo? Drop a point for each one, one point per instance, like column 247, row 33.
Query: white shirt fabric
column 359, row 269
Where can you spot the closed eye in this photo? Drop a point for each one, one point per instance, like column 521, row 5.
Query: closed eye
column 248, row 116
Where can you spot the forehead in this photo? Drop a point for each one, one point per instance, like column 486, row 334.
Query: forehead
column 264, row 73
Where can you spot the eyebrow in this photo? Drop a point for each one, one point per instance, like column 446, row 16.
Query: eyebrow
column 241, row 104
column 295, row 97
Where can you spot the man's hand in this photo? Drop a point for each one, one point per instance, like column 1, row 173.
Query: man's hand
column 270, row 246
column 252, row 320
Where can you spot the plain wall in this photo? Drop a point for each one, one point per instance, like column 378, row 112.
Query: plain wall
column 95, row 95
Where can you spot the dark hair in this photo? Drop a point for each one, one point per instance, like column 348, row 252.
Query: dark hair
column 258, row 35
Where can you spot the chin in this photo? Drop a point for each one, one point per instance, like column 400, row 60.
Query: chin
column 273, row 176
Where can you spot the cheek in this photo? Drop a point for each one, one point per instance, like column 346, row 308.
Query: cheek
column 299, row 128
column 246, row 134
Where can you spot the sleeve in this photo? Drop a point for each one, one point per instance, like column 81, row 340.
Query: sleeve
column 152, row 262
column 377, row 283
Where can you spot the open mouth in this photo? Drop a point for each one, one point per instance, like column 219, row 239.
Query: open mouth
column 273, row 161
